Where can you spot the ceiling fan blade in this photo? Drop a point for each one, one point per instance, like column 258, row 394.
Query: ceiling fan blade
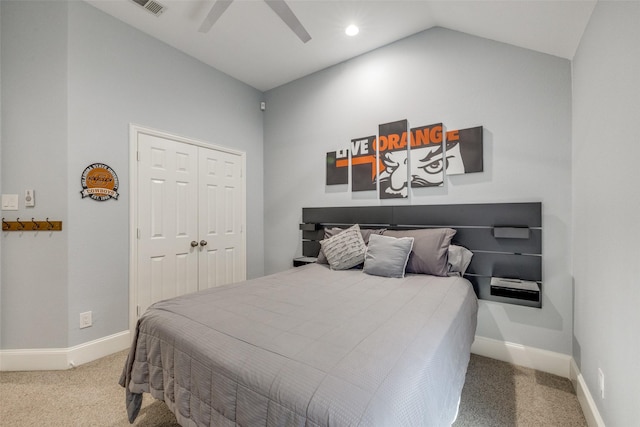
column 286, row 14
column 214, row 14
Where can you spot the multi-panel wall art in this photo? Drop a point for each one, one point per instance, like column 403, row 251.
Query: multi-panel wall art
column 399, row 158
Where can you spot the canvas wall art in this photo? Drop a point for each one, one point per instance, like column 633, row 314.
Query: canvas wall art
column 393, row 177
column 398, row 159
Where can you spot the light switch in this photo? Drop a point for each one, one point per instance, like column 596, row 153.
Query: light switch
column 9, row 202
column 29, row 198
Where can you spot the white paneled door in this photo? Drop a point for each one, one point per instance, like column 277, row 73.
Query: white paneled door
column 190, row 218
column 220, row 219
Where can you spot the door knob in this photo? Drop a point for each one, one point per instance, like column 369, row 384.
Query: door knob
column 203, row 243
column 194, row 243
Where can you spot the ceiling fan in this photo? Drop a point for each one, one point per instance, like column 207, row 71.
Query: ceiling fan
column 280, row 7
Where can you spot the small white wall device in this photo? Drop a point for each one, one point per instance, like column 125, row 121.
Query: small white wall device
column 29, row 198
column 9, row 202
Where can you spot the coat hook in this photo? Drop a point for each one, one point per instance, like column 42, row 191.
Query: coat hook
column 5, row 224
column 21, row 224
column 50, row 225
column 35, row 224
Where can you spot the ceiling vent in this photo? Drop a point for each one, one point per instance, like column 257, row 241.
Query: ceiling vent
column 151, row 6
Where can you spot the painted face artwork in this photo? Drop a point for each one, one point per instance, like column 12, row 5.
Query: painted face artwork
column 426, row 166
column 394, row 178
column 398, row 159
column 454, row 164
column 426, row 160
column 392, row 148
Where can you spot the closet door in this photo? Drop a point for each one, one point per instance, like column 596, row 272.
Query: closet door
column 190, row 219
column 167, row 219
column 221, row 219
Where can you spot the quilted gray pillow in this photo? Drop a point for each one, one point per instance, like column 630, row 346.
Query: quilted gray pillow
column 387, row 256
column 345, row 249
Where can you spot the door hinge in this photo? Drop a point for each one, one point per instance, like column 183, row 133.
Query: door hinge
column 138, row 233
column 137, row 155
column 137, row 311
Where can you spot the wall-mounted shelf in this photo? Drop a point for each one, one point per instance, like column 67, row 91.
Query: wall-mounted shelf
column 31, row 225
column 511, row 232
column 515, row 288
column 309, row 227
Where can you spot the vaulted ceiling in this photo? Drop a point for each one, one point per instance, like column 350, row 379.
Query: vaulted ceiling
column 253, row 44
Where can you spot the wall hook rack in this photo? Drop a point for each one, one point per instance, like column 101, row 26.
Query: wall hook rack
column 33, row 225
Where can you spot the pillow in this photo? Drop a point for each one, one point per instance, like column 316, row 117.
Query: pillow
column 459, row 260
column 330, row 232
column 387, row 256
column 345, row 249
column 430, row 249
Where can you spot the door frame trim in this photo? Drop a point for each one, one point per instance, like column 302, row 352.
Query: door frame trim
column 134, row 131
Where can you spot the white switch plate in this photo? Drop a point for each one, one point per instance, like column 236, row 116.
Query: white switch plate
column 9, row 202
column 29, row 198
column 85, row 320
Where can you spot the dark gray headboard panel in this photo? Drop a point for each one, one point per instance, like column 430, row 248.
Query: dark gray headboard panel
column 516, row 255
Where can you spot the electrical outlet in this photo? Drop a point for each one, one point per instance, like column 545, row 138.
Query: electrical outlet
column 85, row 319
column 601, row 382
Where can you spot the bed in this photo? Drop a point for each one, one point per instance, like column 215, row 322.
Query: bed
column 308, row 346
column 330, row 345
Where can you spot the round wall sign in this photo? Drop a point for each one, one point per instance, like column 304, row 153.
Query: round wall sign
column 99, row 182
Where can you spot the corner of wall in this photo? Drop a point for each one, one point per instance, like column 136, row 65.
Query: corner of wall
column 588, row 405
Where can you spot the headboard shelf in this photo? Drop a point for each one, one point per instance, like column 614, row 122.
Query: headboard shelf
column 509, row 254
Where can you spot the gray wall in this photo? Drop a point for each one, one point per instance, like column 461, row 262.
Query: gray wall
column 34, row 155
column 523, row 100
column 606, row 197
column 89, row 77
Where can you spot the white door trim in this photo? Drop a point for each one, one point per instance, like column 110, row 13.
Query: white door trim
column 134, row 131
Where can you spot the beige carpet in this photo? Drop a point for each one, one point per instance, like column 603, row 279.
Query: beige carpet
column 499, row 394
column 495, row 394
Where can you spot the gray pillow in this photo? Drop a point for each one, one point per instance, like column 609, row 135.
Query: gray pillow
column 387, row 256
column 345, row 249
column 330, row 232
column 430, row 249
column 459, row 260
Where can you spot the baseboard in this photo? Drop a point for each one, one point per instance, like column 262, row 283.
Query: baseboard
column 529, row 357
column 55, row 359
column 589, row 408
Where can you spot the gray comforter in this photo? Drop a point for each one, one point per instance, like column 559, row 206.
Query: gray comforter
column 308, row 347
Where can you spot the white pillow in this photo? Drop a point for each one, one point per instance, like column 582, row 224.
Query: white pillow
column 344, row 250
column 459, row 260
column 387, row 256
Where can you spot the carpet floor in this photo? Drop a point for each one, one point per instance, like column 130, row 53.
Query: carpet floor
column 495, row 394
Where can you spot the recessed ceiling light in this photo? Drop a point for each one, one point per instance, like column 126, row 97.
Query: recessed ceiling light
column 352, row 30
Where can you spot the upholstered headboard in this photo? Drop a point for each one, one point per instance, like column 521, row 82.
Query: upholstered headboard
column 505, row 238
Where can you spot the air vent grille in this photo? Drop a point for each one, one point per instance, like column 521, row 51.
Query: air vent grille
column 151, row 6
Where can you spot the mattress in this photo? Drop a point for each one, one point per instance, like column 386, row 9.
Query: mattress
column 308, row 347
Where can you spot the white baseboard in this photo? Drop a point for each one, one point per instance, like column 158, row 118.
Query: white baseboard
column 589, row 408
column 55, row 359
column 529, row 357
